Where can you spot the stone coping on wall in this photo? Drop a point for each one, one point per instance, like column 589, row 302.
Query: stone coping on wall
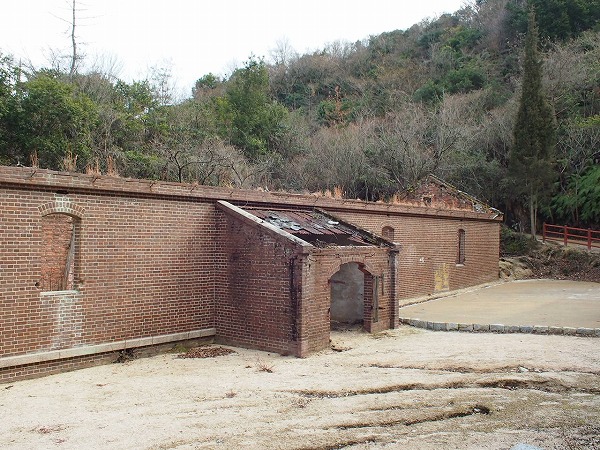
column 68, row 182
column 501, row 328
column 33, row 358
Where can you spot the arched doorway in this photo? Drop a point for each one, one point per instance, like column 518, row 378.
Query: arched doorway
column 347, row 287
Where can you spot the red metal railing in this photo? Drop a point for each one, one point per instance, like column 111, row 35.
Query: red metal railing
column 580, row 236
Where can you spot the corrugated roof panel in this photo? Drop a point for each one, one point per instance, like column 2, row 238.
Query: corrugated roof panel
column 312, row 226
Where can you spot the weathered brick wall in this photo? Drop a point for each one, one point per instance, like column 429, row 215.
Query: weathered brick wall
column 33, row 370
column 145, row 268
column 147, row 265
column 155, row 259
column 429, row 248
column 21, row 372
column 316, row 297
column 436, row 195
column 255, row 301
column 24, row 326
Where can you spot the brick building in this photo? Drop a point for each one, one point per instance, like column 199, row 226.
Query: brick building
column 93, row 265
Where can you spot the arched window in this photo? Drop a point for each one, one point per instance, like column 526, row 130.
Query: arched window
column 388, row 233
column 59, row 251
column 461, row 247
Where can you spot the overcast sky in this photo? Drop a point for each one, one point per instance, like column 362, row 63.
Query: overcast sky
column 195, row 37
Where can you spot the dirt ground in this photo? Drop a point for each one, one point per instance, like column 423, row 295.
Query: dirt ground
column 406, row 388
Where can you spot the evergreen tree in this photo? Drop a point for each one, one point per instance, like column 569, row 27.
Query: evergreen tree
column 531, row 159
column 247, row 115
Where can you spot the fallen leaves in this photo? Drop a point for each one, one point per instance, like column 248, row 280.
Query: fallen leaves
column 206, row 352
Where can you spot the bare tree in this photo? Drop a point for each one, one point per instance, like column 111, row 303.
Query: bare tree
column 163, row 86
column 578, row 148
column 283, row 53
column 568, row 68
column 336, row 159
column 58, row 58
column 490, row 17
column 74, row 55
column 414, row 141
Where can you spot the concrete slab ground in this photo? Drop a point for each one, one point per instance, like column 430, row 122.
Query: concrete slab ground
column 538, row 306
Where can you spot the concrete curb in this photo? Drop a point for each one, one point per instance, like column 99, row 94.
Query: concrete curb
column 53, row 355
column 500, row 328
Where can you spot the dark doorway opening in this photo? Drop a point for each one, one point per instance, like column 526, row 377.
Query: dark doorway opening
column 347, row 297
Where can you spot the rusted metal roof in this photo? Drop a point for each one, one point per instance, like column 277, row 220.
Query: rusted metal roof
column 314, row 227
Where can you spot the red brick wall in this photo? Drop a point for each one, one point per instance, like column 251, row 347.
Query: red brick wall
column 148, row 265
column 34, row 370
column 435, row 195
column 427, row 243
column 27, row 371
column 145, row 269
column 255, row 303
column 159, row 258
column 315, row 303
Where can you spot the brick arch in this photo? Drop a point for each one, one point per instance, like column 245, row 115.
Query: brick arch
column 362, row 265
column 62, row 205
column 60, row 228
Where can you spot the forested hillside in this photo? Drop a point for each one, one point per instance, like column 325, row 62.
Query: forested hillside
column 364, row 119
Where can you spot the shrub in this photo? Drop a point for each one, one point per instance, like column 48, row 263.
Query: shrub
column 513, row 243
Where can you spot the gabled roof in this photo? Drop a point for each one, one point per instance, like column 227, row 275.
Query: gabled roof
column 437, row 193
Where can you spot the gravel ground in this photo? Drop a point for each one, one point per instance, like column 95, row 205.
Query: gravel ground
column 405, row 388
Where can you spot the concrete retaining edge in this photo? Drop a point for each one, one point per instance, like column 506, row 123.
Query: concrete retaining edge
column 52, row 355
column 500, row 328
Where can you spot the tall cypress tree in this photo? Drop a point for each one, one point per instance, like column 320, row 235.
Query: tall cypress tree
column 531, row 158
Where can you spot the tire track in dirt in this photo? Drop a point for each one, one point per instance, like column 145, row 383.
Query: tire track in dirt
column 513, row 383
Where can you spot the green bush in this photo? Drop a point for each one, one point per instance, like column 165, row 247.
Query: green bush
column 465, row 79
column 513, row 243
